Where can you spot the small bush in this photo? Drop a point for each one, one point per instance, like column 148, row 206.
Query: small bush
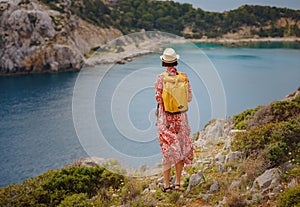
column 253, row 167
column 295, row 172
column 73, row 180
column 76, row 200
column 103, row 198
column 174, row 197
column 131, row 190
column 290, row 198
column 241, row 120
column 276, row 152
column 29, row 193
column 143, row 201
column 234, row 199
column 280, row 111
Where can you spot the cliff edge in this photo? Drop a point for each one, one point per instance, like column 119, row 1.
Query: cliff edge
column 35, row 38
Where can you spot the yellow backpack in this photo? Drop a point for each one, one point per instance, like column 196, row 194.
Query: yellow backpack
column 175, row 93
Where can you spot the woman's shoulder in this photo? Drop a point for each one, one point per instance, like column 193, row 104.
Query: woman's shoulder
column 161, row 75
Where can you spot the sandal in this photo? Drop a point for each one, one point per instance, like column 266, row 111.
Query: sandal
column 166, row 190
column 176, row 187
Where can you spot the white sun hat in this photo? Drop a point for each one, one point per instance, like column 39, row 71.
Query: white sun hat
column 169, row 56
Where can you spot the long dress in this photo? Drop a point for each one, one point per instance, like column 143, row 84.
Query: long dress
column 174, row 133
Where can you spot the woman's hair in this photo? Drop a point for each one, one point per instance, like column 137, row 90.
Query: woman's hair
column 169, row 64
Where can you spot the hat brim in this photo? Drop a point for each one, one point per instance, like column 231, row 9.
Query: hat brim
column 170, row 61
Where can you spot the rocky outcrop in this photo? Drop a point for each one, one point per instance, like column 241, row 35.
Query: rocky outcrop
column 195, row 179
column 267, row 181
column 292, row 96
column 34, row 38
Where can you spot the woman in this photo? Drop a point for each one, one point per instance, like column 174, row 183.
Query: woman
column 174, row 132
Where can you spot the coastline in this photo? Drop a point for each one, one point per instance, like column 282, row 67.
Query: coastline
column 124, row 49
column 135, row 49
column 237, row 40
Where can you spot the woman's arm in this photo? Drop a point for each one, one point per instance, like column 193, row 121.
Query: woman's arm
column 159, row 89
column 190, row 94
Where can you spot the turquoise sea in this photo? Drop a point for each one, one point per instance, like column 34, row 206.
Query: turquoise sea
column 50, row 120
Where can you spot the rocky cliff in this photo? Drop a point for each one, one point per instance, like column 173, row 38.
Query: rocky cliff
column 34, row 38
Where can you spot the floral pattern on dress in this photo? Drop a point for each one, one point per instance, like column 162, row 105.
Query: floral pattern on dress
column 174, row 133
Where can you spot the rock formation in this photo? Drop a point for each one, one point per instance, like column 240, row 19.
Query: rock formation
column 34, row 38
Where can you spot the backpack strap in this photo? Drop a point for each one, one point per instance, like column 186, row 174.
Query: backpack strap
column 183, row 76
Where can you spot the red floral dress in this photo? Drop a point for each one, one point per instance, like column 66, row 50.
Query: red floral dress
column 174, row 133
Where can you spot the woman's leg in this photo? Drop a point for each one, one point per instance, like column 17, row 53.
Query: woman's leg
column 178, row 171
column 167, row 170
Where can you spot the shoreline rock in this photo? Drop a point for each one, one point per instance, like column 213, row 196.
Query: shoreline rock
column 128, row 47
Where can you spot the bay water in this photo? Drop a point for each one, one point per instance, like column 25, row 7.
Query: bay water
column 50, row 120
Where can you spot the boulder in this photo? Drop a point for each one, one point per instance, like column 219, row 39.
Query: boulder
column 195, row 179
column 207, row 197
column 233, row 157
column 212, row 133
column 219, row 158
column 267, row 181
column 91, row 162
column 214, row 187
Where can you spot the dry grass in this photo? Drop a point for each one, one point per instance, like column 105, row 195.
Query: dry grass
column 235, row 199
column 254, row 167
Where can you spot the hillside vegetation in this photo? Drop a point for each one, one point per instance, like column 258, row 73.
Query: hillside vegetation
column 258, row 166
column 182, row 19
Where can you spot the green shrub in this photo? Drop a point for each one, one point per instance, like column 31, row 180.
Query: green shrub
column 29, row 193
column 290, row 198
column 58, row 187
column 276, row 112
column 285, row 110
column 73, row 180
column 241, row 120
column 76, row 200
column 279, row 141
column 277, row 152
